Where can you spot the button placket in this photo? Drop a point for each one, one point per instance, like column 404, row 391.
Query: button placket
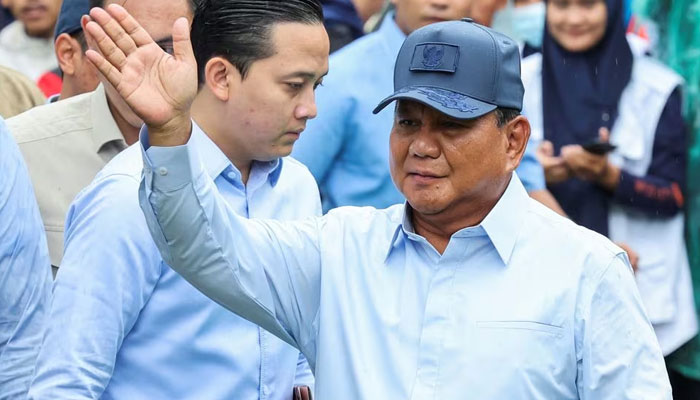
column 436, row 321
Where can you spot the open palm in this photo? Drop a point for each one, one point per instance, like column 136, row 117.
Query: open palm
column 158, row 87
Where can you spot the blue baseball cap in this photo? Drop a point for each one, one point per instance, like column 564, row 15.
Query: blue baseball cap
column 69, row 17
column 460, row 68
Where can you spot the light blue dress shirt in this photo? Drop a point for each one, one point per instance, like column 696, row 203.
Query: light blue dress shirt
column 346, row 147
column 25, row 272
column 526, row 305
column 125, row 326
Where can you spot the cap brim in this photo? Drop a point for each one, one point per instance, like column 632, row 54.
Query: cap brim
column 447, row 102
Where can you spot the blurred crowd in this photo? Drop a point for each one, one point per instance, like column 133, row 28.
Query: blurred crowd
column 612, row 93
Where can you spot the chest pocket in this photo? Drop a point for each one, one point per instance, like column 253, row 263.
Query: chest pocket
column 510, row 360
column 523, row 351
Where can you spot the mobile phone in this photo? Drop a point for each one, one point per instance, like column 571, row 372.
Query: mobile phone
column 599, row 148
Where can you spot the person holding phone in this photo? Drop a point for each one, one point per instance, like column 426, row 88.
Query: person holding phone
column 613, row 148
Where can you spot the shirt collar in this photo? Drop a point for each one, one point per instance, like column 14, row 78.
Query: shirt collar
column 215, row 161
column 104, row 127
column 392, row 34
column 502, row 224
column 275, row 167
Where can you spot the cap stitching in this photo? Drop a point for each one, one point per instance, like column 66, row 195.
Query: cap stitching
column 497, row 73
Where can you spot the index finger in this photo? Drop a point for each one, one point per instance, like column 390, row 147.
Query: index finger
column 130, row 25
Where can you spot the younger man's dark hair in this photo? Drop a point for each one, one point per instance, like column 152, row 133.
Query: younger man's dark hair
column 240, row 30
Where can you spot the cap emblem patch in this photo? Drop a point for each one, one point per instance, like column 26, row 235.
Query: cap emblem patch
column 431, row 57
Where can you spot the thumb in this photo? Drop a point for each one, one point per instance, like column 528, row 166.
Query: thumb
column 604, row 134
column 182, row 46
column 546, row 148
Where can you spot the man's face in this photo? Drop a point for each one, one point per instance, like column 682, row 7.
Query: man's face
column 414, row 14
column 439, row 162
column 157, row 18
column 38, row 16
column 577, row 25
column 270, row 106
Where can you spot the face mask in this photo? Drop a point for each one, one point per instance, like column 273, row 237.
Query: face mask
column 527, row 23
column 503, row 21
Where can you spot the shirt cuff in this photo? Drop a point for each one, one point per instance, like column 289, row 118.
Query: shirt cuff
column 170, row 168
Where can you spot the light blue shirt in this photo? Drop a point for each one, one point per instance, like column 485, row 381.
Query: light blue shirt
column 526, row 305
column 346, row 147
column 125, row 326
column 25, row 272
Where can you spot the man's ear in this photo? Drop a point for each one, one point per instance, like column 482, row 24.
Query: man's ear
column 66, row 48
column 517, row 134
column 221, row 77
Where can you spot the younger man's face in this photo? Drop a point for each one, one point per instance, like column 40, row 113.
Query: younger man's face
column 38, row 16
column 273, row 102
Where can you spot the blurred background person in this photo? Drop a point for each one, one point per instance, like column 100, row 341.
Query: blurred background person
column 5, row 15
column 345, row 147
column 586, row 91
column 67, row 142
column 678, row 45
column 25, row 275
column 17, row 93
column 483, row 11
column 522, row 20
column 75, row 74
column 26, row 44
column 345, row 19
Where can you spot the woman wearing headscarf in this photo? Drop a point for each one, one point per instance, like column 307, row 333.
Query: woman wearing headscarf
column 612, row 142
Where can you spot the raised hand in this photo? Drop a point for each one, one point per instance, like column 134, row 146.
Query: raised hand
column 158, row 87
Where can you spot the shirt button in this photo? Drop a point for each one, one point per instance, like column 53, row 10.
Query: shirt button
column 606, row 117
column 162, row 171
column 231, row 175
